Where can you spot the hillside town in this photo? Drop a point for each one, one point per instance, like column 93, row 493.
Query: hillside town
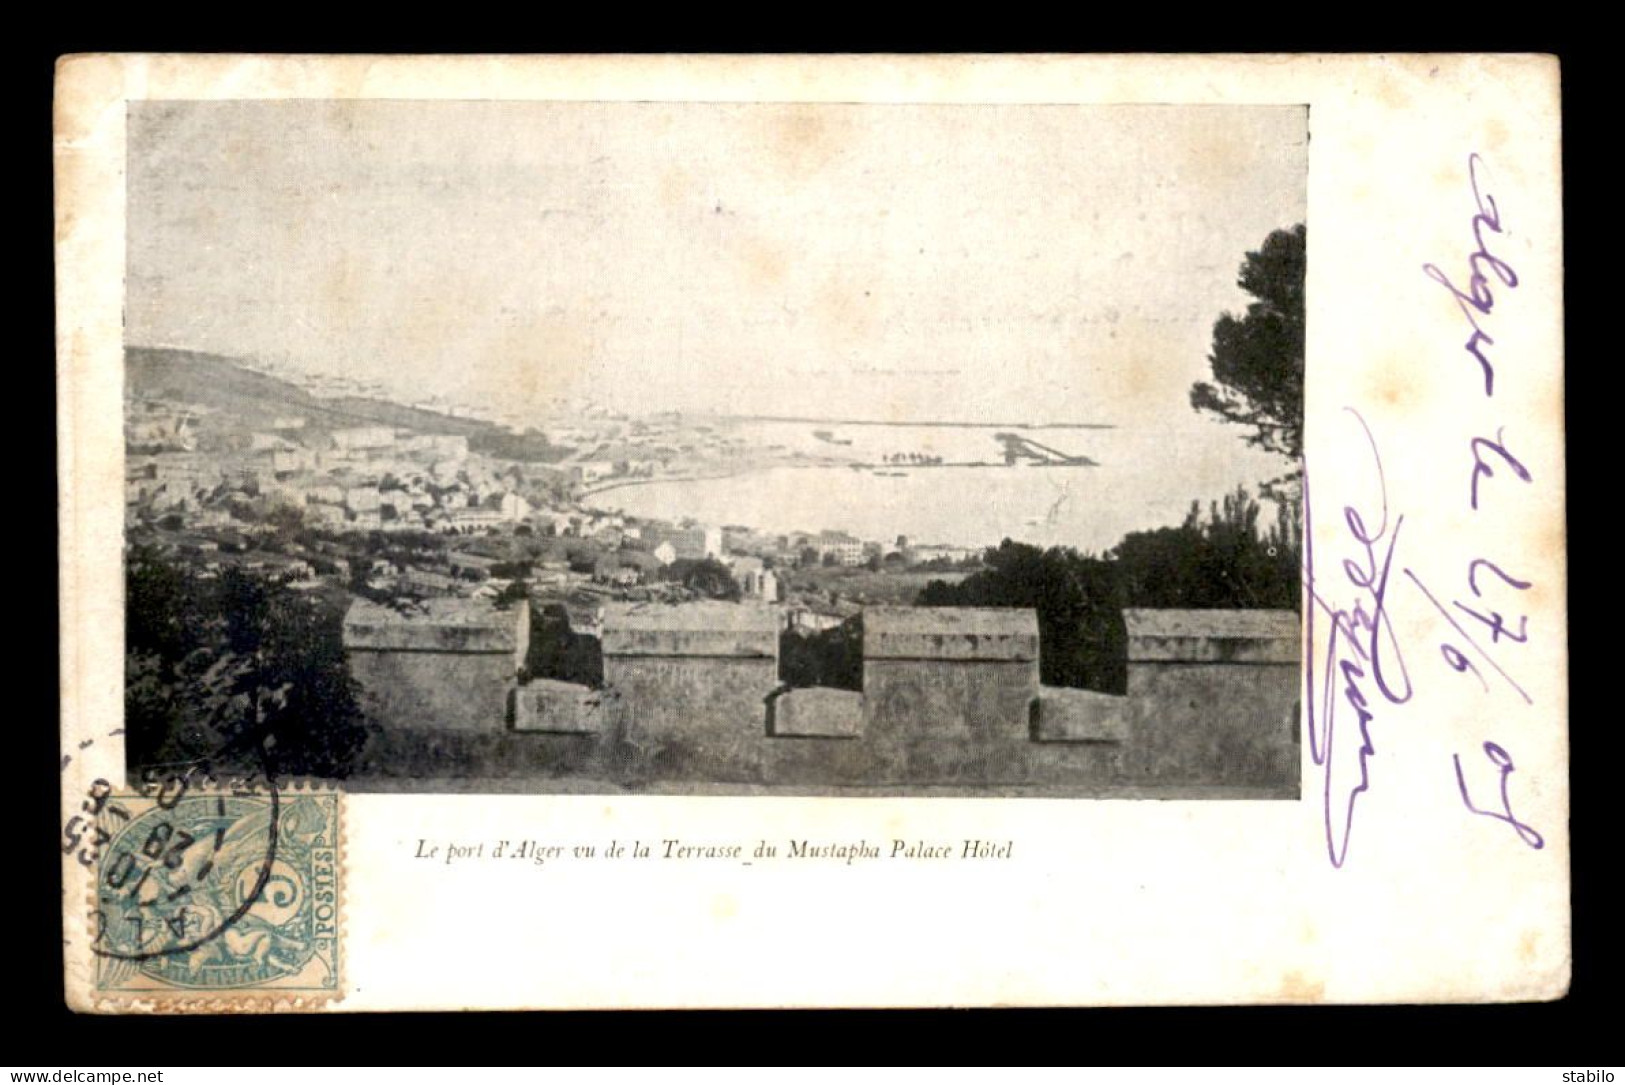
column 388, row 510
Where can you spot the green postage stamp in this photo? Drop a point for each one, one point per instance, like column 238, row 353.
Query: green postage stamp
column 218, row 898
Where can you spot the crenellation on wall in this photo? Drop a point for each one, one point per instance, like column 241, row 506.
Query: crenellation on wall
column 1234, row 637
column 544, row 704
column 1214, row 695
column 951, row 697
column 438, row 665
column 439, row 625
column 949, row 672
column 940, row 634
column 1080, row 715
column 691, row 630
column 692, row 681
column 816, row 713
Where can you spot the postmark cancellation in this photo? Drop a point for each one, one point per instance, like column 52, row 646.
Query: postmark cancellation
column 219, row 901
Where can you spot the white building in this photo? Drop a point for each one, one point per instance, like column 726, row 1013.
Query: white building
column 754, row 579
column 292, row 459
column 935, row 551
column 326, row 494
column 811, row 621
column 847, row 549
column 464, row 521
column 514, row 508
column 268, row 442
column 363, row 437
column 590, row 471
column 362, row 499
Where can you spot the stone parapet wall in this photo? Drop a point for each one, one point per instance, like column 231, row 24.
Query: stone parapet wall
column 443, row 626
column 960, row 699
column 1080, row 715
column 951, row 697
column 560, row 707
column 815, row 713
column 1214, row 695
column 442, row 664
column 949, row 672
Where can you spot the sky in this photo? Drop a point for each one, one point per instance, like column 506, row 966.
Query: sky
column 907, row 262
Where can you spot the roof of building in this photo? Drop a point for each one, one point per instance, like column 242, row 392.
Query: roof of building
column 428, row 576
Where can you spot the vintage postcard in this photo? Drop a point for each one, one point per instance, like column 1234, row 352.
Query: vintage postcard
column 810, row 531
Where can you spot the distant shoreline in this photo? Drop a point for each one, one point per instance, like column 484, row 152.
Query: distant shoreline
column 903, row 468
column 883, row 422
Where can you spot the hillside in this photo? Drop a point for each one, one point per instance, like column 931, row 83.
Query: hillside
column 246, row 400
column 212, row 381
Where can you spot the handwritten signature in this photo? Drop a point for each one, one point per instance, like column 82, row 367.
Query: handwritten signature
column 1352, row 671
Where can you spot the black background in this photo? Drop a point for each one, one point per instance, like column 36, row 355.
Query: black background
column 1581, row 1030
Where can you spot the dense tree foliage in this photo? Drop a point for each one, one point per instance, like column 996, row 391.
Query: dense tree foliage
column 221, row 669
column 1079, row 603
column 706, row 577
column 830, row 657
column 1228, row 560
column 1257, row 358
column 558, row 653
column 1220, row 562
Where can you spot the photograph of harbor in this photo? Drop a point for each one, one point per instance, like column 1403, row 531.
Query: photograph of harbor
column 703, row 448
